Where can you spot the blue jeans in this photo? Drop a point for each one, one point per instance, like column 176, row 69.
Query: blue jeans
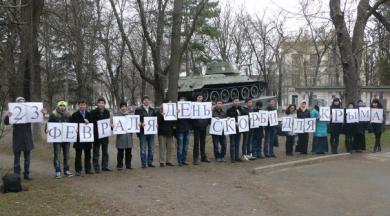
column 217, row 141
column 146, row 141
column 26, row 163
column 256, row 146
column 269, row 142
column 57, row 147
column 247, row 143
column 182, row 146
column 96, row 154
column 235, row 146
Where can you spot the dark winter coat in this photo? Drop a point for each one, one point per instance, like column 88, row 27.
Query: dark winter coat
column 165, row 128
column 142, row 112
column 97, row 115
column 335, row 128
column 219, row 113
column 21, row 136
column 78, row 118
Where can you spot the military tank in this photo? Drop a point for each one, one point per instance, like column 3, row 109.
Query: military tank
column 222, row 80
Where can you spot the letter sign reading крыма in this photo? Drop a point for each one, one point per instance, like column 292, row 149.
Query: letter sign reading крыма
column 337, row 115
column 364, row 114
column 377, row 116
column 325, row 114
column 352, row 115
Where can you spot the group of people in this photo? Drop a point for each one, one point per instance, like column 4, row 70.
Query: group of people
column 179, row 130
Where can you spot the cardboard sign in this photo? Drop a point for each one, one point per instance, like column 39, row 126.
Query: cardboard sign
column 287, row 124
column 86, row 133
column 273, row 118
column 376, row 115
column 216, row 126
column 298, row 125
column 337, row 115
column 229, row 126
column 133, row 123
column 34, row 112
column 243, row 123
column 310, row 125
column 254, row 119
column 184, row 109
column 364, row 114
column 352, row 115
column 263, row 118
column 54, row 132
column 120, row 125
column 19, row 113
column 325, row 114
column 201, row 110
column 170, row 111
column 150, row 125
column 104, row 128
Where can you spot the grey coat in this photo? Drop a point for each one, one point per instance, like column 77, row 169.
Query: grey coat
column 124, row 141
column 21, row 136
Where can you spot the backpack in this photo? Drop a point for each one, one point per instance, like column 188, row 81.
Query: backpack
column 11, row 183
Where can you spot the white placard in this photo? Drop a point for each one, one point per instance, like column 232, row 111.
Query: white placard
column 263, row 118
column 104, row 128
column 273, row 118
column 376, row 115
column 170, row 111
column 19, row 113
column 325, row 114
column 184, row 109
column 216, row 126
column 150, row 125
column 69, row 132
column 34, row 112
column 133, row 124
column 310, row 125
column 54, row 132
column 86, row 132
column 287, row 124
column 352, row 115
column 254, row 119
column 243, row 123
column 337, row 115
column 229, row 126
column 298, row 125
column 364, row 114
column 202, row 110
column 120, row 125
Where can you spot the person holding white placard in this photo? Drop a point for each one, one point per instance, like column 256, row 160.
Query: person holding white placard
column 303, row 138
column 61, row 115
column 146, row 140
column 258, row 135
column 200, row 127
column 377, row 128
column 335, row 127
column 350, row 130
column 270, row 132
column 124, row 143
column 290, row 138
column 183, row 127
column 359, row 141
column 248, row 136
column 234, row 112
column 320, row 136
column 100, row 113
column 21, row 142
column 165, row 138
column 82, row 116
column 219, row 141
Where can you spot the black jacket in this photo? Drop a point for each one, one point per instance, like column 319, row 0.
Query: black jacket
column 78, row 118
column 183, row 125
column 95, row 116
column 21, row 136
column 165, row 128
column 219, row 113
column 235, row 112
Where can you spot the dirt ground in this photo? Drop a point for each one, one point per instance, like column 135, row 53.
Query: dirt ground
column 356, row 185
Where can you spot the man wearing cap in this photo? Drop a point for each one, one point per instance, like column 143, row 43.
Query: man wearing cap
column 21, row 142
column 61, row 115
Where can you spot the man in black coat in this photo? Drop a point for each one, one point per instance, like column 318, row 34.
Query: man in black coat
column 200, row 126
column 234, row 112
column 82, row 116
column 145, row 110
column 219, row 141
column 100, row 113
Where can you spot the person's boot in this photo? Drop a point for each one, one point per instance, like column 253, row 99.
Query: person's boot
column 379, row 148
column 375, row 148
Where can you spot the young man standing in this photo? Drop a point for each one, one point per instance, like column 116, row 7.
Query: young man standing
column 61, row 114
column 183, row 127
column 165, row 138
column 248, row 136
column 270, row 133
column 234, row 112
column 200, row 128
column 21, row 142
column 97, row 114
column 82, row 116
column 146, row 140
column 219, row 140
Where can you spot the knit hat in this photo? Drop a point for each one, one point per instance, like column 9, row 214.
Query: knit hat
column 20, row 99
column 62, row 103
